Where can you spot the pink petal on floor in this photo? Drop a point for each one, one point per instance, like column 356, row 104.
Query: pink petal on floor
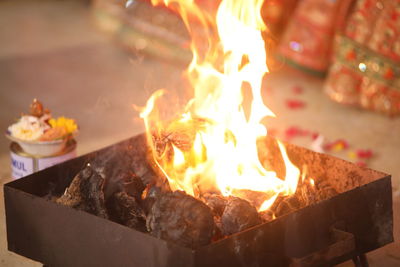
column 314, row 135
column 361, row 163
column 295, row 131
column 295, row 104
column 364, row 153
column 297, row 90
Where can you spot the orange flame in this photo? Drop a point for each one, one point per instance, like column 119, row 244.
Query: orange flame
column 212, row 145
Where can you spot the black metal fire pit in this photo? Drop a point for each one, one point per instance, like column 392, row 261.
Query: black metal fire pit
column 355, row 221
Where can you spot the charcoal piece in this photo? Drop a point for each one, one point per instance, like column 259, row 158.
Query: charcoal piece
column 267, row 215
column 86, row 193
column 163, row 142
column 151, row 194
column 306, row 193
column 52, row 192
column 289, row 204
column 177, row 133
column 276, row 203
column 238, row 215
column 115, row 168
column 270, row 155
column 256, row 198
column 325, row 190
column 182, row 219
column 124, row 209
column 143, row 164
column 126, row 167
column 216, row 202
column 218, row 234
column 132, row 184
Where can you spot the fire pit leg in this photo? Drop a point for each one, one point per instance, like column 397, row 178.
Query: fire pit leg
column 343, row 243
column 360, row 261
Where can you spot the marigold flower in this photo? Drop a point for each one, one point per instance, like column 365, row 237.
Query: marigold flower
column 68, row 124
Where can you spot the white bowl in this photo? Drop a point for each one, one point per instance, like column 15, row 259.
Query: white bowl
column 40, row 148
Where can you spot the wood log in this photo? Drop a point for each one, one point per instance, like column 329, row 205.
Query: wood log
column 288, row 204
column 86, row 193
column 182, row 219
column 216, row 202
column 124, row 209
column 238, row 215
column 151, row 194
column 127, row 167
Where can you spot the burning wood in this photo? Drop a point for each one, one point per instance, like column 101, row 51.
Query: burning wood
column 289, row 238
column 86, row 193
column 211, row 144
column 238, row 215
column 177, row 133
column 231, row 214
column 200, row 176
column 125, row 210
column 216, row 202
column 182, row 219
column 126, row 186
column 174, row 216
column 124, row 170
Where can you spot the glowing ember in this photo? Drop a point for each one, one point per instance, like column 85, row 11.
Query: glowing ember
column 211, row 146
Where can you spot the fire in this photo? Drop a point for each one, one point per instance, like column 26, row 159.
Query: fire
column 211, row 146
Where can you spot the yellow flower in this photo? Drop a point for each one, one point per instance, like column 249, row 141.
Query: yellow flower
column 352, row 155
column 68, row 124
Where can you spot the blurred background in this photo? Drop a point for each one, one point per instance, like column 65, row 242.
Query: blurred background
column 334, row 81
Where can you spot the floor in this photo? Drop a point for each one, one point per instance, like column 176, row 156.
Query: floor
column 52, row 50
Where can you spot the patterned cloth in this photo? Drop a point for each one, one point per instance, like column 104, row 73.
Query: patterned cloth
column 308, row 38
column 366, row 68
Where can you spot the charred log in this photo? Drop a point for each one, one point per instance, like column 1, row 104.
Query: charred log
column 151, row 194
column 128, row 168
column 238, row 215
column 306, row 194
column 216, row 202
column 288, row 204
column 124, row 209
column 177, row 133
column 86, row 193
column 182, row 219
column 267, row 215
column 325, row 190
column 218, row 234
column 270, row 156
column 255, row 198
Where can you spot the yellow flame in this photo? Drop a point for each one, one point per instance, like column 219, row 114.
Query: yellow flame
column 179, row 158
column 216, row 139
column 292, row 172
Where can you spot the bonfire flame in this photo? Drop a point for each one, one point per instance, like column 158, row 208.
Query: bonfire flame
column 212, row 144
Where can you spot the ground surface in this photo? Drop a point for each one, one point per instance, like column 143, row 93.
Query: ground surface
column 52, row 51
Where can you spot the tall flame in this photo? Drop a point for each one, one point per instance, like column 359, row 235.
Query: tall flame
column 212, row 144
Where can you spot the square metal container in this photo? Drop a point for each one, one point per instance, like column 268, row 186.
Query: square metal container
column 56, row 235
